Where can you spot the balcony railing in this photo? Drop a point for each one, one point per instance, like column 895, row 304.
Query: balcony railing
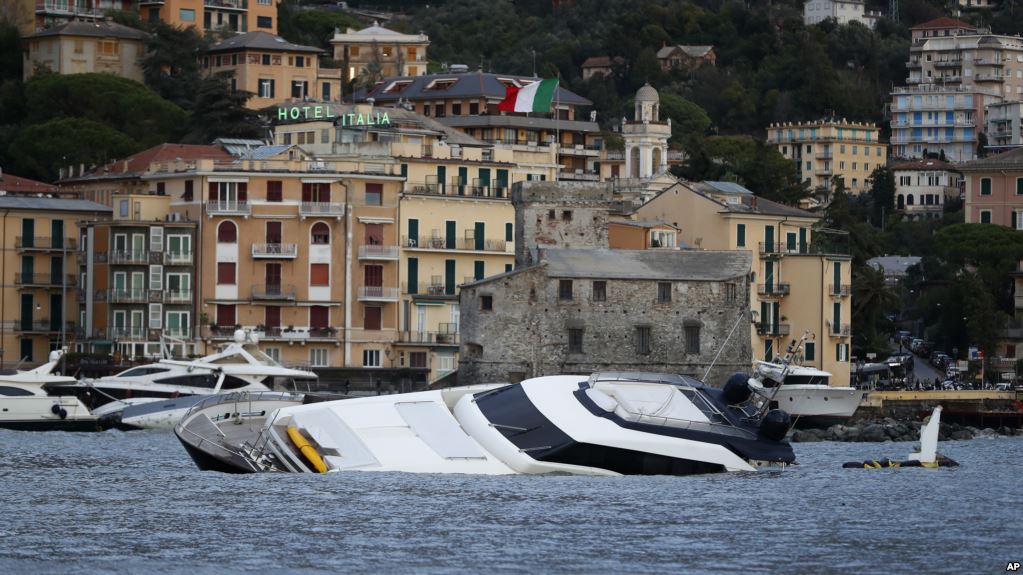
column 177, row 258
column 273, row 292
column 135, row 332
column 288, row 251
column 228, row 208
column 469, row 244
column 840, row 289
column 131, row 295
column 321, row 209
column 66, row 7
column 129, row 257
column 177, row 296
column 26, row 325
column 778, row 289
column 45, row 280
column 377, row 293
column 372, row 252
column 45, row 243
column 227, row 4
column 840, row 329
column 428, row 337
column 494, row 190
column 772, row 329
column 772, row 248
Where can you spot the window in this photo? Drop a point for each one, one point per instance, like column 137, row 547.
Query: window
column 1019, row 186
column 730, row 290
column 663, row 292
column 273, row 353
column 156, row 316
column 318, row 357
column 186, row 15
column 374, row 194
column 189, row 191
column 600, row 290
column 274, row 191
column 123, row 208
column 265, row 60
column 487, row 303
column 692, row 338
column 371, row 318
column 177, row 324
column 985, row 216
column 266, row 87
column 565, row 290
column 809, row 351
column 417, row 359
column 842, row 352
column 371, row 358
column 740, row 235
column 319, row 274
column 156, row 277
column 643, row 338
column 985, row 186
column 566, row 215
column 264, row 22
column 225, row 273
column 298, row 91
column 575, row 340
column 227, row 233
column 321, row 234
column 509, row 229
column 225, row 315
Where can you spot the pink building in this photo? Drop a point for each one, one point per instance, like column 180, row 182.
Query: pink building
column 994, row 189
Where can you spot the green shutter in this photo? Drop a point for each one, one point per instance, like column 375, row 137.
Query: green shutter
column 790, row 242
column 449, row 235
column 740, row 233
column 837, row 289
column 985, row 186
column 404, row 170
column 413, row 275
column 449, row 277
column 477, row 270
column 769, row 276
column 809, row 352
column 509, row 230
column 769, row 238
column 442, row 175
column 413, row 233
column 836, row 317
column 507, row 268
column 463, row 179
column 28, row 232
column 769, row 350
column 479, row 234
column 1019, row 186
column 802, row 241
column 502, row 183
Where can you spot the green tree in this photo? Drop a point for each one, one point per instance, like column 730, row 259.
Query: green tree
column 10, row 54
column 873, row 301
column 221, row 113
column 882, row 194
column 39, row 151
column 171, row 64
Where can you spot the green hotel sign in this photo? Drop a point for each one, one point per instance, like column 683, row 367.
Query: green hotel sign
column 320, row 112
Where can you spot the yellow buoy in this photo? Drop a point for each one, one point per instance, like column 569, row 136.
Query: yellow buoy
column 307, row 450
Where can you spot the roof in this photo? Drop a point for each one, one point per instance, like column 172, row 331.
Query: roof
column 94, row 29
column 1013, row 159
column 728, row 187
column 462, row 85
column 260, row 41
column 265, row 152
column 600, row 62
column 943, row 22
column 54, row 204
column 748, row 202
column 18, row 185
column 646, row 93
column 138, row 163
column 678, row 265
column 238, row 146
column 894, row 265
column 929, row 164
column 691, row 51
column 649, row 224
column 376, row 31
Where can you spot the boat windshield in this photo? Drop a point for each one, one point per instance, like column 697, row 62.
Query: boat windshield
column 806, row 380
column 141, row 371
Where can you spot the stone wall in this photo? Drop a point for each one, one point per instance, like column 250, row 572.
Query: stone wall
column 559, row 214
column 525, row 334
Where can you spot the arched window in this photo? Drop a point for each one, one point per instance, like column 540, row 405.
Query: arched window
column 321, row 233
column 227, row 233
column 634, row 153
column 909, row 199
column 901, row 201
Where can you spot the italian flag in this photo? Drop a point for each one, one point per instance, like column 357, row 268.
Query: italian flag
column 535, row 97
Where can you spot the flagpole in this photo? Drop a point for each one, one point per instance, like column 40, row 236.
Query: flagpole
column 557, row 116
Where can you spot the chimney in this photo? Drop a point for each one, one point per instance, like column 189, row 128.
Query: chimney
column 753, row 202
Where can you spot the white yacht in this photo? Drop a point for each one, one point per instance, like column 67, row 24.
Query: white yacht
column 605, row 424
column 129, row 400
column 25, row 405
column 804, row 392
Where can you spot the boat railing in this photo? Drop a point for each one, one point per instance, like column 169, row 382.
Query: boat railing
column 710, row 427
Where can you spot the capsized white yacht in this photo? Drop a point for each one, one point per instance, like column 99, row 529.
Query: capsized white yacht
column 605, row 424
column 128, row 400
column 25, row 405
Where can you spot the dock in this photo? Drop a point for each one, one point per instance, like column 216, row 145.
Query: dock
column 976, row 408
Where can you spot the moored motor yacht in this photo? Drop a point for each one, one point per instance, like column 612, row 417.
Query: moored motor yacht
column 605, row 424
column 135, row 392
column 25, row 405
column 805, row 393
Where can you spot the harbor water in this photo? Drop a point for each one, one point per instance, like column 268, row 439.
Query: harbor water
column 135, row 503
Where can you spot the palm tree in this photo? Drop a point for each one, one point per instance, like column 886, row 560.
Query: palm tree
column 872, row 300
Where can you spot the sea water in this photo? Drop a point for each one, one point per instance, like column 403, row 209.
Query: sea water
column 135, row 503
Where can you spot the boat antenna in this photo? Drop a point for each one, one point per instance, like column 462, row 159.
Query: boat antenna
column 786, row 362
column 721, row 348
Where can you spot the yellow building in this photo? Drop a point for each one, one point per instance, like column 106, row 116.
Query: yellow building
column 800, row 284
column 397, row 54
column 86, row 47
column 273, row 69
column 39, row 258
column 828, row 149
column 213, row 15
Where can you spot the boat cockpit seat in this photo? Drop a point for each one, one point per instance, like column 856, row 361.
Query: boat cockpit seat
column 603, row 400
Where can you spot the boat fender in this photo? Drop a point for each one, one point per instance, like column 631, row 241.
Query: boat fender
column 55, row 409
column 307, row 450
column 775, row 425
column 63, row 413
column 736, row 389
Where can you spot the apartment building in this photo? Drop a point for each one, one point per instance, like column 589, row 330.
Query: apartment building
column 35, row 15
column 922, row 188
column 213, row 15
column 39, row 260
column 801, row 283
column 136, row 281
column 827, row 149
column 940, row 28
column 1004, row 123
column 395, row 53
column 273, row 70
column 994, row 189
column 841, row 11
column 990, row 63
column 468, row 102
column 79, row 47
column 936, row 119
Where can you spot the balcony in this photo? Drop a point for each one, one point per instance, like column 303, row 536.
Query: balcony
column 913, row 65
column 948, row 63
column 227, row 4
column 323, row 209
column 578, row 175
column 772, row 248
column 823, row 171
column 580, row 150
column 826, row 154
column 378, row 293
column 839, row 329
column 45, row 244
column 275, row 251
column 432, row 188
column 42, row 326
column 273, row 292
column 177, row 258
column 131, row 332
column 44, row 280
column 378, row 252
column 131, row 295
column 439, row 338
column 772, row 329
column 773, row 290
column 989, row 62
column 228, row 208
column 177, row 296
column 466, row 244
column 129, row 257
column 66, row 8
column 989, row 77
column 840, row 290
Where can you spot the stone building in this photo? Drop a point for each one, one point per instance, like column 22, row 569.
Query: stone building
column 585, row 310
column 559, row 214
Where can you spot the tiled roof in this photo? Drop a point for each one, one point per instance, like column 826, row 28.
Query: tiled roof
column 139, row 163
column 260, row 41
column 749, row 203
column 943, row 22
column 55, row 204
column 462, row 85
column 928, row 164
column 1013, row 159
column 18, row 185
column 691, row 51
column 96, row 29
column 602, row 61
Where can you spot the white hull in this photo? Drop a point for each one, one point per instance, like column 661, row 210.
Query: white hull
column 818, row 400
column 33, row 412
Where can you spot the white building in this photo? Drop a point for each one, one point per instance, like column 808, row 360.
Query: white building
column 922, row 187
column 646, row 137
column 934, row 118
column 1003, row 126
column 842, row 11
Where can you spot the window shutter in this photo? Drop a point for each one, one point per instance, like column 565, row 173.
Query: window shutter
column 1015, row 218
column 214, row 188
column 156, row 277
column 156, row 316
column 307, row 193
column 319, row 275
column 274, row 191
column 156, row 239
column 243, row 192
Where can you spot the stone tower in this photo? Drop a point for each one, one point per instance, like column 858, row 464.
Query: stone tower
column 559, row 215
column 646, row 137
